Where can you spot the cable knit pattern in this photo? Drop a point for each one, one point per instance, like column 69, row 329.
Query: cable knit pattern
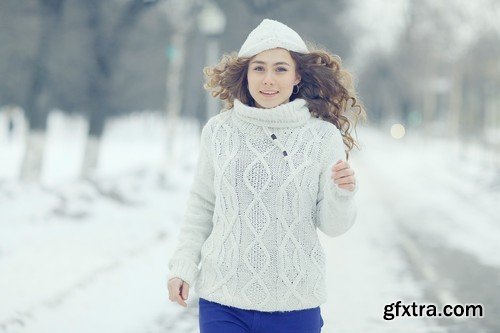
column 261, row 189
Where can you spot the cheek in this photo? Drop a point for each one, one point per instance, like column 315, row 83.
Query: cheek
column 251, row 81
column 288, row 81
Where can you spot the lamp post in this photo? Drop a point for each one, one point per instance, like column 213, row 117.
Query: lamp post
column 211, row 22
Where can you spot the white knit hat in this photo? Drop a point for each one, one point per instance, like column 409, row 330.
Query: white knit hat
column 270, row 34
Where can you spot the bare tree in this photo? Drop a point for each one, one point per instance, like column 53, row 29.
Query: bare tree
column 50, row 18
column 181, row 16
column 106, row 49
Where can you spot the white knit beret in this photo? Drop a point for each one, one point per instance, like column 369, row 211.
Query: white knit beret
column 270, row 34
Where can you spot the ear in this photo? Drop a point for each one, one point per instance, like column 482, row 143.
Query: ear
column 297, row 79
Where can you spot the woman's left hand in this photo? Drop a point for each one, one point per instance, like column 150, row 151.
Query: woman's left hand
column 343, row 175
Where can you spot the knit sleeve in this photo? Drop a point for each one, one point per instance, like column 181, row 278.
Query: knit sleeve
column 336, row 208
column 197, row 222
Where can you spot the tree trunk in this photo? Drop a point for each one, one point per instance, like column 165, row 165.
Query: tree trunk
column 173, row 102
column 33, row 156
column 455, row 104
column 429, row 105
column 90, row 156
column 181, row 22
column 105, row 52
column 50, row 16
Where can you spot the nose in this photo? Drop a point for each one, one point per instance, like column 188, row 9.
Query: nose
column 268, row 78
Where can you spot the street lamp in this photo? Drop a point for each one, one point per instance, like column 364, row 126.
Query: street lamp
column 211, row 22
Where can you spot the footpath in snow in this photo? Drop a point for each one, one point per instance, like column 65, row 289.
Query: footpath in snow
column 81, row 257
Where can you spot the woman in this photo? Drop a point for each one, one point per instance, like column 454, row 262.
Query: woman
column 271, row 170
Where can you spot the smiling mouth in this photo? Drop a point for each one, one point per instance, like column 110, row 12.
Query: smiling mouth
column 269, row 93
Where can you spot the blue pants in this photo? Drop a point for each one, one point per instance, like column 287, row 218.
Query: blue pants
column 218, row 318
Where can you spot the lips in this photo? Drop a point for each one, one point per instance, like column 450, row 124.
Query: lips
column 269, row 92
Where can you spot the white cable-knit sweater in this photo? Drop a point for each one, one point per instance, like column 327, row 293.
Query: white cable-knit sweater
column 262, row 187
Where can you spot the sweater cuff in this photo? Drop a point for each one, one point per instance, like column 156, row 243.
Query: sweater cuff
column 184, row 270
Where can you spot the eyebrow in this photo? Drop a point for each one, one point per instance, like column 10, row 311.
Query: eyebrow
column 275, row 64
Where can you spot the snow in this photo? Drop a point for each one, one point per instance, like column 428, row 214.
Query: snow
column 65, row 140
column 91, row 256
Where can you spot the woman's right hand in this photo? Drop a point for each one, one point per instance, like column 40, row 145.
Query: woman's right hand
column 178, row 291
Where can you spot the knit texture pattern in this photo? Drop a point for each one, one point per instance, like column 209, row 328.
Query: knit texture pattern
column 262, row 188
column 270, row 34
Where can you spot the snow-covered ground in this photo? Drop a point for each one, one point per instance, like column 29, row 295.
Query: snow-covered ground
column 81, row 256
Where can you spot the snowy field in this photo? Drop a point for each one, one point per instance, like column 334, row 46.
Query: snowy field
column 91, row 256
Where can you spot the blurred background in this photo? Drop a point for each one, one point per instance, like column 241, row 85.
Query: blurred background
column 101, row 106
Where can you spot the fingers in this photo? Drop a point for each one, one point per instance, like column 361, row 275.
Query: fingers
column 341, row 169
column 344, row 180
column 178, row 291
column 343, row 175
column 179, row 300
column 185, row 291
column 348, row 182
column 349, row 187
column 339, row 165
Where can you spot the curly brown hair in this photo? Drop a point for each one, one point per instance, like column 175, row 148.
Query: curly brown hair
column 325, row 85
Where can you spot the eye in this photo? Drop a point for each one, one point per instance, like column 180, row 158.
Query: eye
column 281, row 69
column 258, row 68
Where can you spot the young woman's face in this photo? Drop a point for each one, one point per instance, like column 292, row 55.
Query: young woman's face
column 271, row 77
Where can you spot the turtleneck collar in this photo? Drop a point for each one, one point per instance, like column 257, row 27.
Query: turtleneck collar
column 291, row 114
